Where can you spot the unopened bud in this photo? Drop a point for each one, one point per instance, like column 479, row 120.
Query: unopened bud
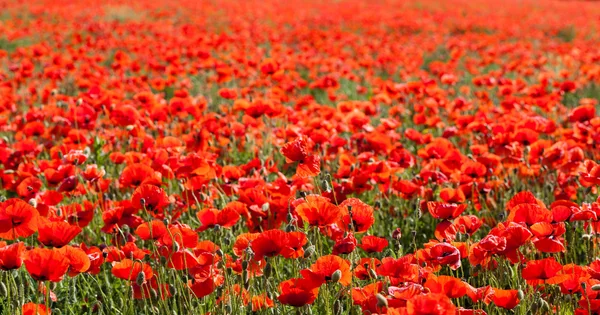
column 381, row 300
column 140, row 279
column 336, row 276
column 309, row 251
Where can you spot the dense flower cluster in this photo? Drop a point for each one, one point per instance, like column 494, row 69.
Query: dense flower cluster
column 328, row 157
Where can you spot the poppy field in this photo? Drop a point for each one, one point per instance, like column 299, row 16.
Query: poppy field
column 299, row 157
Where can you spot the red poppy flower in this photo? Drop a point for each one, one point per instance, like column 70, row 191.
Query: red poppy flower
column 150, row 198
column 366, row 298
column 29, row 187
column 135, row 175
column 507, row 299
column 261, row 302
column 128, row 269
column 430, row 304
column 154, row 230
column 543, row 271
column 181, row 259
column 324, row 268
column 402, row 268
column 362, row 268
column 276, row 242
column 150, row 289
column 373, row 244
column 17, row 219
column 183, row 235
column 449, row 286
column 35, row 309
column 356, row 215
column 445, row 254
column 447, row 211
column 202, row 287
column 79, row 261
column 242, row 242
column 96, row 258
column 295, row 242
column 299, row 151
column 56, row 233
column 210, row 217
column 11, row 256
column 318, row 211
column 46, row 264
column 344, row 245
column 298, row 292
column 468, row 224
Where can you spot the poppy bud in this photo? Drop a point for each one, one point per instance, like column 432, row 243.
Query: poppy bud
column 290, row 228
column 377, row 204
column 372, row 273
column 267, row 270
column 172, row 289
column 129, row 127
column 176, row 247
column 219, row 252
column 2, row 199
column 381, row 300
column 414, row 233
column 397, row 234
column 3, row 289
column 290, row 217
column 143, row 202
column 336, row 276
column 544, row 306
column 337, row 307
column 249, row 252
column 596, row 287
column 244, row 265
column 54, row 92
column 520, row 294
column 309, row 251
column 33, row 203
column 217, row 227
column 265, row 207
column 140, row 279
column 325, row 186
column 302, row 194
column 79, row 101
column 227, row 308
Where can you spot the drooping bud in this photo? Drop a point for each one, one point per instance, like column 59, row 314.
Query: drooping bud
column 381, row 300
column 140, row 279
